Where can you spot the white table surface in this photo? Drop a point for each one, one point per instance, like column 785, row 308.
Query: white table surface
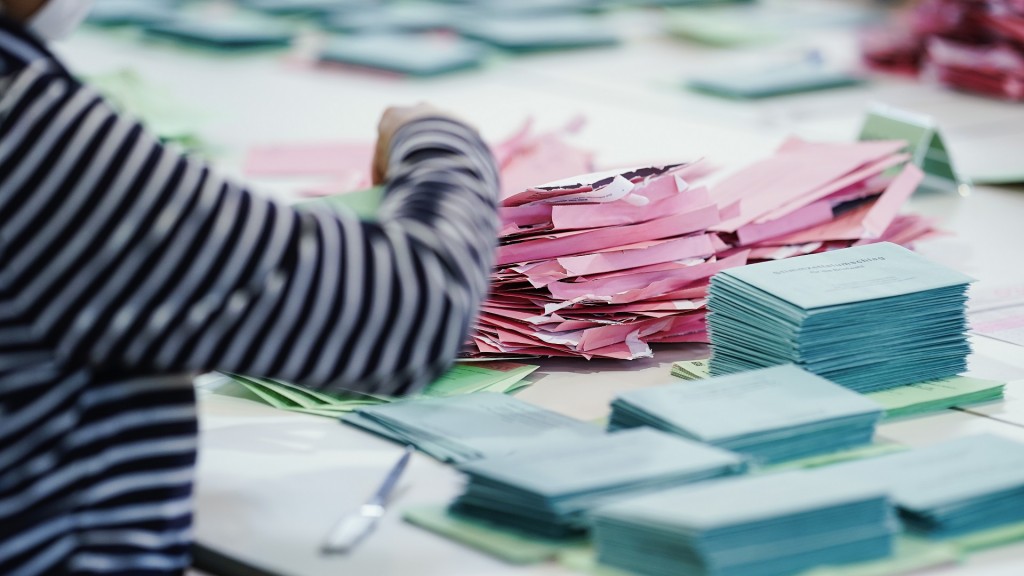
column 271, row 483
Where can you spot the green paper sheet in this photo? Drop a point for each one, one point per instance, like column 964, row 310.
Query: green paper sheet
column 464, row 378
column 691, row 369
column 508, row 545
column 1000, row 536
column 936, row 395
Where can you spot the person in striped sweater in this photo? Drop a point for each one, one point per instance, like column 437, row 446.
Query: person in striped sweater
column 126, row 267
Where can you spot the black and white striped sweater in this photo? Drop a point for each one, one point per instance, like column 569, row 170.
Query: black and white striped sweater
column 126, row 266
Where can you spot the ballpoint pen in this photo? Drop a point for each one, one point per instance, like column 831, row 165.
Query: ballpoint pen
column 353, row 527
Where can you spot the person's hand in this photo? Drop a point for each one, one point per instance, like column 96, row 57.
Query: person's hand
column 394, row 118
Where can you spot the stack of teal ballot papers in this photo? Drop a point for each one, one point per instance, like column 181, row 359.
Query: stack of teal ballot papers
column 547, row 489
column 772, row 414
column 462, row 428
column 765, row 525
column 947, row 489
column 869, row 317
column 226, row 34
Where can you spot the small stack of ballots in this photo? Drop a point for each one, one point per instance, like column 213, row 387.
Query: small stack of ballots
column 947, row 489
column 772, row 524
column 547, row 489
column 459, row 429
column 869, row 317
column 774, row 414
column 603, row 265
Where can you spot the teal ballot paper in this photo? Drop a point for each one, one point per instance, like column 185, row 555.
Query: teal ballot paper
column 869, row 318
column 416, row 55
column 871, row 272
column 947, row 489
column 773, row 414
column 463, row 428
column 535, row 34
column 777, row 80
column 224, row 34
column 767, row 524
column 548, row 488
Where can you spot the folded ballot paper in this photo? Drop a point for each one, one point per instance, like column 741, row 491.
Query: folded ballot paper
column 602, row 265
column 947, row 489
column 868, row 317
column 773, row 414
column 466, row 378
column 463, row 428
column 547, row 489
column 764, row 525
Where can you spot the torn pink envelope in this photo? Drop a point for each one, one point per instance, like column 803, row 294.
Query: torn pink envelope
column 621, row 213
column 543, row 273
column 547, row 157
column 869, row 221
column 860, row 175
column 698, row 291
column 604, row 238
column 652, row 306
column 781, row 252
column 801, row 218
column 526, row 217
column 669, row 267
column 337, row 159
column 696, row 246
column 796, row 173
column 662, row 281
column 699, row 337
column 889, row 203
column 595, row 187
column 791, row 160
column 905, row 230
column 668, row 286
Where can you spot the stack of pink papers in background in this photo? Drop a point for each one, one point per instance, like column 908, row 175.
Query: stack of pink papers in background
column 976, row 45
column 524, row 159
column 603, row 265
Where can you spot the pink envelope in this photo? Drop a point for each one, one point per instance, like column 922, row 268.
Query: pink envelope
column 604, row 238
column 669, row 286
column 642, row 284
column 796, row 172
column 621, row 213
column 339, row 159
column 801, row 218
column 697, row 246
column 857, row 176
column 869, row 221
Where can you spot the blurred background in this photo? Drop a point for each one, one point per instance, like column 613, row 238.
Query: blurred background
column 273, row 90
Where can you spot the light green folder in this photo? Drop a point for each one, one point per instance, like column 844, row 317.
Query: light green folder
column 902, row 401
column 498, row 541
column 465, row 378
column 925, row 145
column 936, row 395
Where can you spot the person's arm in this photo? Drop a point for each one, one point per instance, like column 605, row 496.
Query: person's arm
column 133, row 258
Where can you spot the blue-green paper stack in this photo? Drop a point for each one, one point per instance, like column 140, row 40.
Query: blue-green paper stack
column 767, row 525
column 869, row 317
column 462, row 428
column 947, row 489
column 772, row 414
column 547, row 489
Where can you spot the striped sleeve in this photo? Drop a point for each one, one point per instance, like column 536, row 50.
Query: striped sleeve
column 135, row 259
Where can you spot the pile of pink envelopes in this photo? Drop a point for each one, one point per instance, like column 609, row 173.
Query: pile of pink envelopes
column 975, row 45
column 601, row 266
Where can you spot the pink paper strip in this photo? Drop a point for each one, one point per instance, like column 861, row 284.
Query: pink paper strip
column 604, row 238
